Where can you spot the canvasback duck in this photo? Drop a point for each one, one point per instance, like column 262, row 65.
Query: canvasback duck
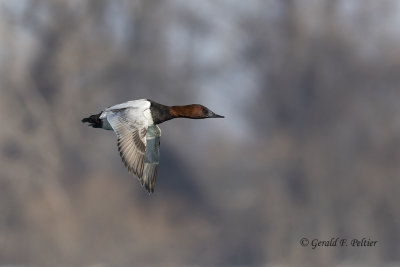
column 135, row 124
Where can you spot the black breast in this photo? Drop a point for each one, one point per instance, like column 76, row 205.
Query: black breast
column 159, row 112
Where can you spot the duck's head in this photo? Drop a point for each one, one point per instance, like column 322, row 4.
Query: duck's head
column 205, row 113
column 194, row 111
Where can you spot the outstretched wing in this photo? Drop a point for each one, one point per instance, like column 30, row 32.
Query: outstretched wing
column 132, row 147
column 152, row 156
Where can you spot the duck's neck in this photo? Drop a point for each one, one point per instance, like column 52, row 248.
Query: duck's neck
column 187, row 111
column 161, row 113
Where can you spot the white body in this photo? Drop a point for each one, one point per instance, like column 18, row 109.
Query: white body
column 137, row 113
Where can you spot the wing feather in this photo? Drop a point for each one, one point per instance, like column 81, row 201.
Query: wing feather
column 132, row 148
column 150, row 176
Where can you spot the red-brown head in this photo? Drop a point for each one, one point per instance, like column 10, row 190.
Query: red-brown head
column 194, row 111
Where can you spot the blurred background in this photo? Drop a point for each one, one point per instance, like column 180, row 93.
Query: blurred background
column 310, row 146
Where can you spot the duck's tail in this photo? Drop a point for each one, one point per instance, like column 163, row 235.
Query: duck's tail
column 94, row 121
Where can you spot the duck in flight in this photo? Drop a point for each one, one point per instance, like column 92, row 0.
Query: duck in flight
column 135, row 124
